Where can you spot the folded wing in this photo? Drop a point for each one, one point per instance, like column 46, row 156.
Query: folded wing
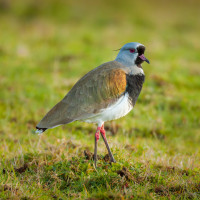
column 94, row 92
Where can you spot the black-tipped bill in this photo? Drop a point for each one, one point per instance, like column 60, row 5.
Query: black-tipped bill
column 144, row 58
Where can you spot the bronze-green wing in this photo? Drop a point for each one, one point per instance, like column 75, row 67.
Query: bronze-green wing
column 94, row 92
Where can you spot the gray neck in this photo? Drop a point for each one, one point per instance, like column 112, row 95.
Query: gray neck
column 134, row 69
column 125, row 60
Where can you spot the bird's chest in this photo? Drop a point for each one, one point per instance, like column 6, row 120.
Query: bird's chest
column 119, row 109
column 134, row 86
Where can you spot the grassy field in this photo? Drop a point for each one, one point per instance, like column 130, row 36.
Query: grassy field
column 45, row 47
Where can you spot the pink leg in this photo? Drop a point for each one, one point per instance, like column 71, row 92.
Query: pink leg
column 103, row 134
column 103, row 130
column 97, row 133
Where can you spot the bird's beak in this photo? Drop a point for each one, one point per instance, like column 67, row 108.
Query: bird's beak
column 144, row 58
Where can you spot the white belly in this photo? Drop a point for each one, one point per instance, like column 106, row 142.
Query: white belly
column 121, row 108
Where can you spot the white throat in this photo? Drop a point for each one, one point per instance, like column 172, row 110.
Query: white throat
column 136, row 70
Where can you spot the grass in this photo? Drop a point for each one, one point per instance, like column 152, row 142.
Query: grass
column 46, row 47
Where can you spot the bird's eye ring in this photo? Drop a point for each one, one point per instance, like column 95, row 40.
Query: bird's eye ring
column 132, row 50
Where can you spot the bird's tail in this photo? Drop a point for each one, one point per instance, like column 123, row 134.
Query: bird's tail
column 39, row 131
column 57, row 116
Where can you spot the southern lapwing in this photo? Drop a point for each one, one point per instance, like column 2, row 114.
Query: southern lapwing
column 108, row 92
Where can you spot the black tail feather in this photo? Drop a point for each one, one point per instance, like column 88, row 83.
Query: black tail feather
column 43, row 129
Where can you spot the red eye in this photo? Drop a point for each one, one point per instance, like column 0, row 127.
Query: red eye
column 132, row 50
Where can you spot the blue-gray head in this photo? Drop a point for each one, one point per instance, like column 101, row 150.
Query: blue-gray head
column 132, row 54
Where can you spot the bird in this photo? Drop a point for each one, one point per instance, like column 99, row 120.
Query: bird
column 108, row 92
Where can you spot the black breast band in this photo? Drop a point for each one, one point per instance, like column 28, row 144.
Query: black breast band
column 134, row 86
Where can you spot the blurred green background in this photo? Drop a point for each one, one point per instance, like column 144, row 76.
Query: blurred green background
column 46, row 46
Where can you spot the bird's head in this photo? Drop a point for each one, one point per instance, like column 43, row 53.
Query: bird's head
column 132, row 54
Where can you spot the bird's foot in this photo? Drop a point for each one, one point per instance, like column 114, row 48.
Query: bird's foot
column 112, row 160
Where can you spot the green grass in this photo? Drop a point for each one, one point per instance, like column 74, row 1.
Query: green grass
column 45, row 47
